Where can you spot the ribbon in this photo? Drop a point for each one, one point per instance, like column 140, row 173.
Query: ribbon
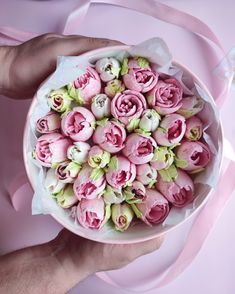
column 210, row 213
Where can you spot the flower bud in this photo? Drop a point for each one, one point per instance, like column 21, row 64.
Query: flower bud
column 122, row 216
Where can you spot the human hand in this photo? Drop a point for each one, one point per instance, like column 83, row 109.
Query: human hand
column 81, row 257
column 26, row 66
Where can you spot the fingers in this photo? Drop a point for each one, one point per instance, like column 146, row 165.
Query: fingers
column 76, row 45
column 146, row 247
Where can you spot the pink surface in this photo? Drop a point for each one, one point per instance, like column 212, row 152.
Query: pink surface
column 211, row 271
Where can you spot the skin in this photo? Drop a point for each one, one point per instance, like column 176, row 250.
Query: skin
column 58, row 265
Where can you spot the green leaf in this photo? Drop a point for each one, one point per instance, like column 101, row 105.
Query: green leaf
column 133, row 124
column 180, row 163
column 142, row 132
column 102, row 122
column 169, row 174
column 115, row 71
column 96, row 174
column 137, row 212
column 113, row 164
column 150, row 185
column 124, row 67
column 142, row 62
column 54, row 165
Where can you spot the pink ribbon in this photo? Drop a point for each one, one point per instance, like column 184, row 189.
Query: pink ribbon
column 208, row 216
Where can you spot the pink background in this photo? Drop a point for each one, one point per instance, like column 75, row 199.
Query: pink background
column 213, row 269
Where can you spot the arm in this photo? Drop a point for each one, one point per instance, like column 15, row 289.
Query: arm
column 57, row 266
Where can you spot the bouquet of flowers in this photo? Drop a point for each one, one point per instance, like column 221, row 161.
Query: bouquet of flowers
column 124, row 142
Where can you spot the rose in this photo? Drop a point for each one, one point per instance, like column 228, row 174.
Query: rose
column 190, row 106
column 138, row 75
column 122, row 216
column 127, row 106
column 101, row 106
column 146, row 174
column 139, row 148
column 135, row 193
column 85, row 87
column 49, row 123
column 97, row 157
column 108, row 68
column 78, row 152
column 51, row 149
column 78, row 124
column 171, row 131
column 149, row 121
column 113, row 195
column 166, row 96
column 162, row 159
column 120, row 172
column 59, row 100
column 178, row 191
column 66, row 198
column 67, row 171
column 192, row 156
column 154, row 209
column 193, row 128
column 52, row 184
column 110, row 135
column 88, row 184
column 93, row 213
column 113, row 87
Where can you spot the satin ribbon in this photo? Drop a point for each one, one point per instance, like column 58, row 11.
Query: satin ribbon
column 215, row 205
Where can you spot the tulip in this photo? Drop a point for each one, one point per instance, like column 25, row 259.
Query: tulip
column 89, row 183
column 193, row 156
column 49, row 123
column 162, row 159
column 93, row 213
column 193, row 128
column 78, row 124
column 51, row 149
column 139, row 148
column 154, row 209
column 171, row 131
column 121, row 172
column 179, row 191
column 191, row 106
column 122, row 216
column 146, row 174
column 66, row 198
column 97, row 157
column 108, row 68
column 110, row 136
column 85, row 87
column 78, row 152
column 101, row 106
column 166, row 96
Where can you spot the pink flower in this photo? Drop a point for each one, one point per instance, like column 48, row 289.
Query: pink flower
column 92, row 213
column 139, row 148
column 67, row 171
column 139, row 75
column 108, row 68
column 193, row 156
column 179, row 191
column 87, row 185
column 110, row 136
column 51, row 148
column 193, row 128
column 85, row 87
column 171, row 130
column 49, row 123
column 78, row 124
column 166, row 96
column 154, row 209
column 136, row 193
column 128, row 105
column 120, row 172
column 146, row 174
column 190, row 106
